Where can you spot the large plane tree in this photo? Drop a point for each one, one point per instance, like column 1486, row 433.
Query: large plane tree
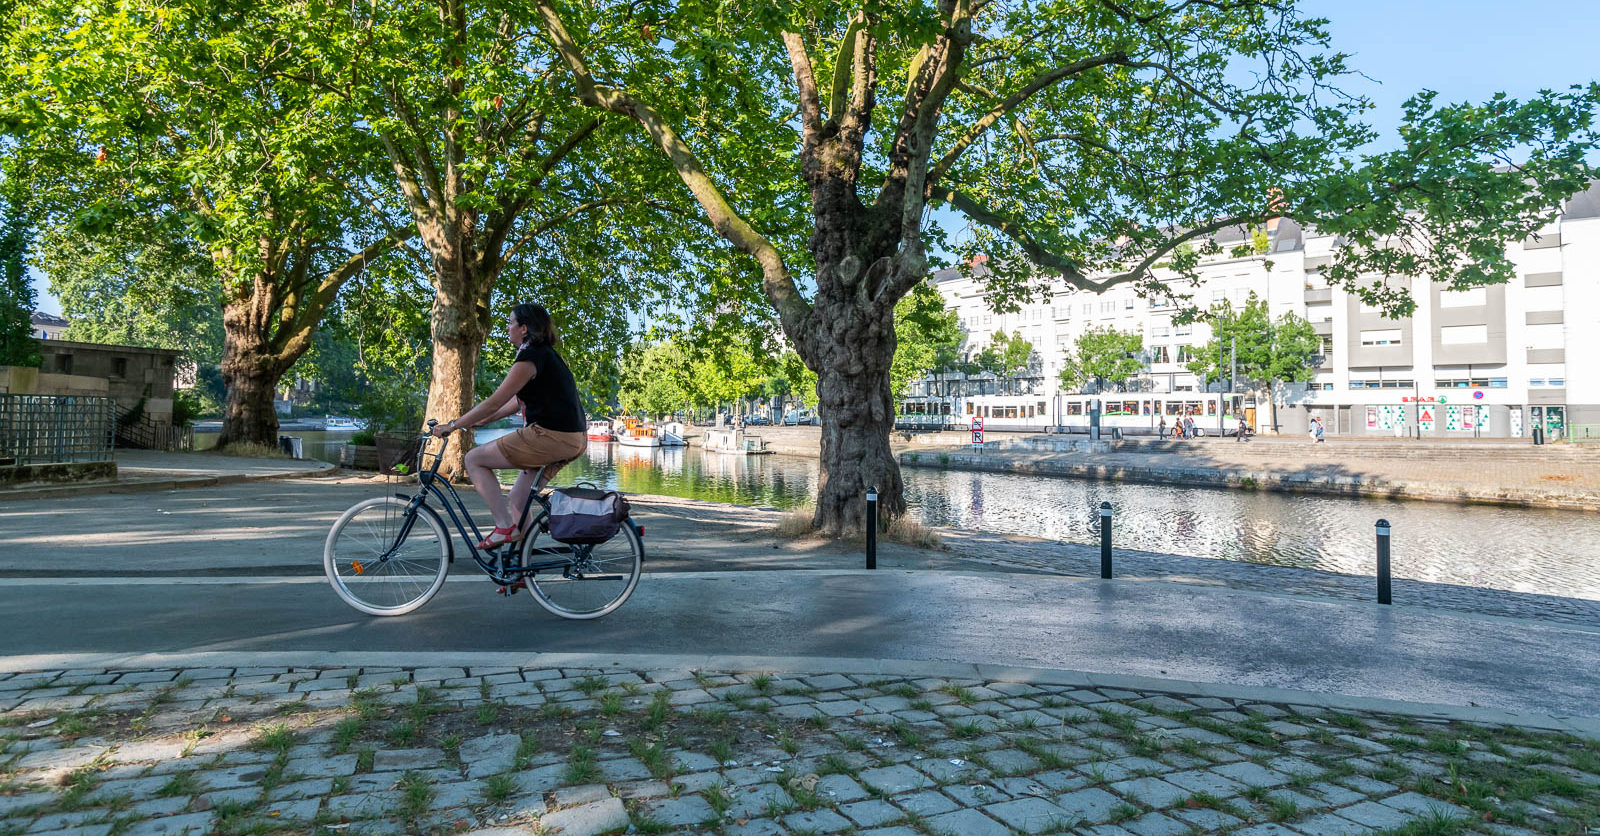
column 1082, row 141
column 192, row 121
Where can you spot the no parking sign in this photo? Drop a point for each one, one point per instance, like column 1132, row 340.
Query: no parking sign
column 977, row 430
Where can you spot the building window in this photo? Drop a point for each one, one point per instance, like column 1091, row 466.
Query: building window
column 1185, row 353
column 1157, row 331
column 1463, row 334
column 1182, row 330
column 1558, row 381
column 1382, row 384
column 1159, row 354
column 1469, row 298
column 1127, row 304
column 1327, row 346
column 1390, row 336
column 1497, row 383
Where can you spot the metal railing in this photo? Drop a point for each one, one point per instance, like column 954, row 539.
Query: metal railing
column 49, row 429
column 1583, row 433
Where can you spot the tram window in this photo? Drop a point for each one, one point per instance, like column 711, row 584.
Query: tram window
column 1211, row 407
column 1042, row 408
column 1074, row 407
column 1130, row 407
column 969, row 408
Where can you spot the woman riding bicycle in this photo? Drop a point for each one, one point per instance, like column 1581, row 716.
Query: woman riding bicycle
column 541, row 385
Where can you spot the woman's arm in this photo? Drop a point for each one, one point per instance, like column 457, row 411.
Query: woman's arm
column 504, row 398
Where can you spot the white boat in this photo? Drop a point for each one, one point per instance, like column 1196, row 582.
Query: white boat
column 636, row 434
column 672, row 435
column 335, row 424
column 735, row 442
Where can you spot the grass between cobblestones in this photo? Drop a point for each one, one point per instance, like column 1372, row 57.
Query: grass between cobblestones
column 268, row 752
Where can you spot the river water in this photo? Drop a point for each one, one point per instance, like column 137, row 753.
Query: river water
column 1525, row 550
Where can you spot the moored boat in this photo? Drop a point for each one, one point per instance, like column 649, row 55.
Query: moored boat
column 636, row 433
column 600, row 430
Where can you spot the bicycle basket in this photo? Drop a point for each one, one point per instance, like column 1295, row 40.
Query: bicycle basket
column 399, row 455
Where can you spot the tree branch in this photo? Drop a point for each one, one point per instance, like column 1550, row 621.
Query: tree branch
column 1066, row 267
column 792, row 308
column 1040, row 82
column 806, row 81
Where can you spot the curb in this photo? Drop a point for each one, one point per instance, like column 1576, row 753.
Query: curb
column 159, row 484
column 804, row 665
column 1346, row 486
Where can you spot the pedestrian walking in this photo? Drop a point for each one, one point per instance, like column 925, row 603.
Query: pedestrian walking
column 1316, row 430
column 1243, row 432
column 1161, row 428
column 1188, row 426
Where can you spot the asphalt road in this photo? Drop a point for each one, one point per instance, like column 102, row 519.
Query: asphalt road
column 1140, row 628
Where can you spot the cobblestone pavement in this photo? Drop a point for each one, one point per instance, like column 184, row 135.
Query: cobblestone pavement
column 589, row 750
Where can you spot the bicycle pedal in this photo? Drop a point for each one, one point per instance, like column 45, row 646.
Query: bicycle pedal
column 510, row 590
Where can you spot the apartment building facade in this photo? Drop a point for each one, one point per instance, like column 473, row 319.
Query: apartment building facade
column 1489, row 362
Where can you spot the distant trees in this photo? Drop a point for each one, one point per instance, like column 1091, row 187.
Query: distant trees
column 1268, row 352
column 1102, row 355
column 17, row 345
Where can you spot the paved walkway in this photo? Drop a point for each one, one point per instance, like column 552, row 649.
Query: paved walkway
column 584, row 745
column 145, row 470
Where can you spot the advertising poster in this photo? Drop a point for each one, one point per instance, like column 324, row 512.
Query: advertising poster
column 1372, row 417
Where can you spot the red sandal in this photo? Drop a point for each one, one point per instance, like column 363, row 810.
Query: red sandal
column 499, row 537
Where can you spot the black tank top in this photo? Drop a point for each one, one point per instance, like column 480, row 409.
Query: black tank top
column 550, row 399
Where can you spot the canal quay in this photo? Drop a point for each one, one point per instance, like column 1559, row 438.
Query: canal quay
column 1171, row 524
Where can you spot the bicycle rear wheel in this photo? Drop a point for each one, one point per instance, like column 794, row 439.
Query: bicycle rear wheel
column 384, row 559
column 597, row 579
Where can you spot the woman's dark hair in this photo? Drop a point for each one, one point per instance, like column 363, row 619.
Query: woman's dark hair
column 541, row 328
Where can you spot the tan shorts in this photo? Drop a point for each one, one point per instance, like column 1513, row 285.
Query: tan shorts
column 535, row 446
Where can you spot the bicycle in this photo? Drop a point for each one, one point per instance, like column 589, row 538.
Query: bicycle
column 389, row 555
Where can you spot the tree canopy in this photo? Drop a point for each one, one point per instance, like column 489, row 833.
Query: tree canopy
column 1268, row 351
column 17, row 344
column 1102, row 356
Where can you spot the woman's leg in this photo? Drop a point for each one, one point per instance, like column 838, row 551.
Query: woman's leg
column 519, row 493
column 481, row 465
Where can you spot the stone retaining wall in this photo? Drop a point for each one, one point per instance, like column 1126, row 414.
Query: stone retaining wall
column 1339, row 485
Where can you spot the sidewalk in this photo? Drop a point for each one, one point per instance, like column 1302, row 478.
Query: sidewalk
column 576, row 745
column 148, row 470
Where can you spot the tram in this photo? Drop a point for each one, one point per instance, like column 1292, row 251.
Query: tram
column 1134, row 413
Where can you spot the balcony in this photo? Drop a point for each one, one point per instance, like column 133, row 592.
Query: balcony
column 1315, row 295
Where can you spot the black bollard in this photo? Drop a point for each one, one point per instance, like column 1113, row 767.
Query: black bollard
column 1383, row 562
column 872, row 527
column 1105, row 540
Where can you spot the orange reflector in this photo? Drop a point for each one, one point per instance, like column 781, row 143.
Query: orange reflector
column 356, row 564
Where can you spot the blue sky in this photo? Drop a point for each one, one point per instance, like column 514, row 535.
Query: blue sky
column 1465, row 50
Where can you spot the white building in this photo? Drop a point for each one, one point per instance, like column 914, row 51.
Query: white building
column 1491, row 361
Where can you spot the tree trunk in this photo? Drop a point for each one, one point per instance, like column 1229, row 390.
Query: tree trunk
column 460, row 326
column 250, row 370
column 857, row 411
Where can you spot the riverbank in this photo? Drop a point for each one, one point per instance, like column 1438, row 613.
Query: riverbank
column 1464, row 472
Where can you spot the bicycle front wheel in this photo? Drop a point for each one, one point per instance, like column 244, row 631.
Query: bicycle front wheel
column 593, row 580
column 385, row 558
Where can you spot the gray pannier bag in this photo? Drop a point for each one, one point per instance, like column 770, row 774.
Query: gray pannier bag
column 580, row 516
